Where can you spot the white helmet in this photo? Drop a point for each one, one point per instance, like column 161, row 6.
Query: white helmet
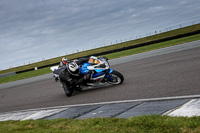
column 64, row 60
column 73, row 68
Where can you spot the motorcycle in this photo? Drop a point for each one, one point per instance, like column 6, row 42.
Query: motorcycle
column 99, row 71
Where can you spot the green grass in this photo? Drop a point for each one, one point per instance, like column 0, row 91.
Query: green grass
column 25, row 75
column 107, row 48
column 150, row 124
column 153, row 47
column 109, row 56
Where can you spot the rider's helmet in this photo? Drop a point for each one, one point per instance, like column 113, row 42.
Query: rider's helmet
column 64, row 60
column 73, row 68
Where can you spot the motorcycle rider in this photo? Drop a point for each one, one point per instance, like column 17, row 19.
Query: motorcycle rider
column 70, row 76
column 63, row 62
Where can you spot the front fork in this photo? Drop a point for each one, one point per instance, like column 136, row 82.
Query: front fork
column 108, row 74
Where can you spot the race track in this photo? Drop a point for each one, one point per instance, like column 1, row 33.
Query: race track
column 165, row 75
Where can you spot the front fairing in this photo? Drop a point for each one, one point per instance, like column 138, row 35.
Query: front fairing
column 83, row 69
column 98, row 72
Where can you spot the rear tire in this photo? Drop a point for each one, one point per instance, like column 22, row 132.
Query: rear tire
column 117, row 78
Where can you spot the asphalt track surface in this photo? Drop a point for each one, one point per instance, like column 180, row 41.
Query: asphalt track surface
column 166, row 75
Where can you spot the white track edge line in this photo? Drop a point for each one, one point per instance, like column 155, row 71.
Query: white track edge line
column 111, row 102
column 172, row 110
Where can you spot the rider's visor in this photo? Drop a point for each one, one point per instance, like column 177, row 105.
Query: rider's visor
column 65, row 62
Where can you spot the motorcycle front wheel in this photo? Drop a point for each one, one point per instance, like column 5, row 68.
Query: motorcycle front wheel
column 115, row 78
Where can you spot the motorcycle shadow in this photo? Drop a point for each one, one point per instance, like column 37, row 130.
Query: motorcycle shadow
column 87, row 90
column 93, row 89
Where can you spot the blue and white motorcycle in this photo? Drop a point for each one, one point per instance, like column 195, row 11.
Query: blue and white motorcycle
column 99, row 71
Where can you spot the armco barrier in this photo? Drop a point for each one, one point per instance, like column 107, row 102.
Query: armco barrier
column 149, row 43
column 49, row 65
column 125, row 48
column 7, row 74
column 25, row 70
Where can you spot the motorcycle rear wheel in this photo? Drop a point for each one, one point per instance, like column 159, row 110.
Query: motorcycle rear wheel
column 117, row 78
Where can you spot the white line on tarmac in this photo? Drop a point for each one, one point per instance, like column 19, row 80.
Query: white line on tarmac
column 111, row 102
column 190, row 109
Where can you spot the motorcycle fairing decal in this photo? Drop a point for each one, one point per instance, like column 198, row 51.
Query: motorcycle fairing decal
column 99, row 70
column 110, row 70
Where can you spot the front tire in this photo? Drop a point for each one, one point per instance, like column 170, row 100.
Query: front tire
column 115, row 78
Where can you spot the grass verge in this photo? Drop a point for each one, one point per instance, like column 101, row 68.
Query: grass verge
column 153, row 47
column 109, row 56
column 25, row 75
column 150, row 124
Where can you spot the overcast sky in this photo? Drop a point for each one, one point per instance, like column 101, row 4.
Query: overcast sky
column 32, row 30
